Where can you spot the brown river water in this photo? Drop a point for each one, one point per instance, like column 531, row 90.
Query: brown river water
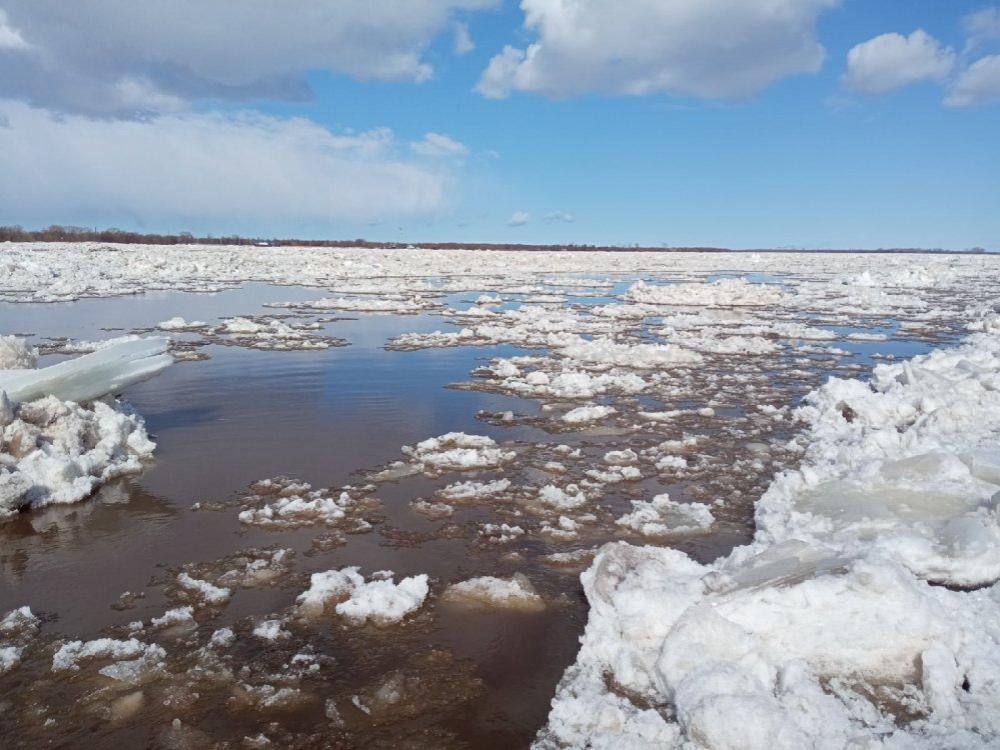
column 446, row 677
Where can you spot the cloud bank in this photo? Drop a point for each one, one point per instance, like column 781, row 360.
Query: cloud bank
column 704, row 48
column 118, row 56
column 190, row 167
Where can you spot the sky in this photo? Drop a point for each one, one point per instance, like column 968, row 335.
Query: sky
column 729, row 123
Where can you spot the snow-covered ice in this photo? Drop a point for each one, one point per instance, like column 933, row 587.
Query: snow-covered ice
column 380, row 600
column 827, row 630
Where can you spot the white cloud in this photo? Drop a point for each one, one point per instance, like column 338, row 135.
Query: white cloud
column 703, row 48
column 981, row 27
column 519, row 219
column 81, row 52
column 436, row 145
column 463, row 39
column 977, row 84
column 892, row 61
column 247, row 169
column 10, row 38
column 563, row 216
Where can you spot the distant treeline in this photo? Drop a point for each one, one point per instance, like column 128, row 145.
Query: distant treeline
column 56, row 233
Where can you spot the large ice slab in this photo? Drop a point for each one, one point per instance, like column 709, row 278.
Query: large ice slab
column 91, row 376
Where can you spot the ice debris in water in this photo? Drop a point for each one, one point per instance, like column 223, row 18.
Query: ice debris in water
column 178, row 323
column 54, row 451
column 662, row 516
column 380, row 600
column 456, row 451
column 826, row 630
column 131, row 659
column 282, row 503
column 203, row 590
column 584, row 414
column 515, row 593
column 472, row 490
column 18, row 629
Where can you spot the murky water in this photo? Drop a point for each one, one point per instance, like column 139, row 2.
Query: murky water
column 478, row 678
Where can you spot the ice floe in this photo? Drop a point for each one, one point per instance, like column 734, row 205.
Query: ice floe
column 379, row 600
column 515, row 593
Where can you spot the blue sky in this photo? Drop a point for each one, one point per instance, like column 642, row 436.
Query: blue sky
column 901, row 153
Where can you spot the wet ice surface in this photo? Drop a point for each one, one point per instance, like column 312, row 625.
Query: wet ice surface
column 485, row 487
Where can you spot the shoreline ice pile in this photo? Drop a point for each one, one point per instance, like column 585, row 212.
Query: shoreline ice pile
column 865, row 612
column 61, row 435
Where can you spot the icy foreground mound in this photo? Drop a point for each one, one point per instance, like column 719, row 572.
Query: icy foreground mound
column 55, row 450
column 826, row 631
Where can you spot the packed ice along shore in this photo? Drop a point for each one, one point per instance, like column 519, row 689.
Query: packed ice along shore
column 62, row 435
column 865, row 613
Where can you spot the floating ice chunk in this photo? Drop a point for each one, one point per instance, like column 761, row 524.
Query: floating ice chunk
column 285, row 504
column 54, row 451
column 178, row 323
column 567, row 384
column 666, row 463
column 207, row 592
column 434, row 511
column 474, row 490
column 615, row 474
column 380, row 600
column 91, row 376
column 456, row 451
column 384, row 602
column 563, row 499
column 662, row 516
column 18, row 629
column 621, row 458
column 69, row 655
column 500, row 532
column 222, row 638
column 270, row 630
column 584, row 414
column 639, row 356
column 503, row 593
column 326, row 587
column 176, row 616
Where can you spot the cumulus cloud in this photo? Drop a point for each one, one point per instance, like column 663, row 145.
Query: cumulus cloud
column 702, row 48
column 981, row 27
column 977, row 84
column 79, row 56
column 562, row 216
column 463, row 43
column 10, row 38
column 892, row 61
column 245, row 168
column 436, row 145
column 519, row 219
